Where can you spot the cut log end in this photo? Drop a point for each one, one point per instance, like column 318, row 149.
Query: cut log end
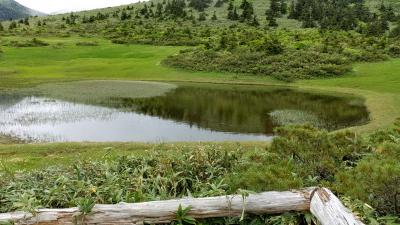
column 329, row 210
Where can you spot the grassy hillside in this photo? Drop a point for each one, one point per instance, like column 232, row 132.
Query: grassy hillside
column 55, row 22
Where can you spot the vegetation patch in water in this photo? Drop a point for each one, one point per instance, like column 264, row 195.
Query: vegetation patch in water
column 295, row 117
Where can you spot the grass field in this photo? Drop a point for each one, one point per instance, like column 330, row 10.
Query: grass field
column 63, row 60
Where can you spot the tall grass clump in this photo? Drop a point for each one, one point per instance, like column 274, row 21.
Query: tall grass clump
column 125, row 179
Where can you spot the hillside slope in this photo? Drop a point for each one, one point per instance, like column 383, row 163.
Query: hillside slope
column 10, row 9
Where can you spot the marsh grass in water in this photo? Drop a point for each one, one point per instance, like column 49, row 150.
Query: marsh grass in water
column 296, row 117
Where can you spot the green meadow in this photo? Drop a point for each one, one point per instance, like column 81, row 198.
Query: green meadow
column 64, row 60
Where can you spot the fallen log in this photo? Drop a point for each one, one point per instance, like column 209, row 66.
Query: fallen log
column 322, row 203
column 157, row 212
column 328, row 209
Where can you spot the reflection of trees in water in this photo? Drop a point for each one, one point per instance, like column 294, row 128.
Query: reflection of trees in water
column 220, row 108
column 247, row 111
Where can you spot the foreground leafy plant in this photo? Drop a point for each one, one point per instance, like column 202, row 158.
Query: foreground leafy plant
column 182, row 216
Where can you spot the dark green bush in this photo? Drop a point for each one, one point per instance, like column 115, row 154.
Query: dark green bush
column 317, row 153
column 394, row 50
column 289, row 65
column 30, row 43
column 87, row 43
column 375, row 180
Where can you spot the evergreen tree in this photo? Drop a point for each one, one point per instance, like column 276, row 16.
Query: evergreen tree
column 144, row 10
column 124, row 15
column 202, row 16
column 159, row 10
column 361, row 12
column 273, row 12
column 12, row 26
column 272, row 21
column 255, row 22
column 230, row 6
column 384, row 24
column 235, row 15
column 219, row 3
column 214, row 17
column 283, row 7
column 307, row 19
column 274, row 8
column 223, row 41
column 378, row 26
column 199, row 5
column 387, row 12
column 395, row 31
column 292, row 12
column 247, row 12
column 230, row 15
column 176, row 9
column 191, row 17
column 1, row 27
column 26, row 21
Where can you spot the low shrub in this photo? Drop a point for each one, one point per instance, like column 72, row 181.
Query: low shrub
column 290, row 65
column 30, row 43
column 87, row 43
column 375, row 180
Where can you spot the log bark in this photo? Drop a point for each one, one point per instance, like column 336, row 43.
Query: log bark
column 165, row 211
column 329, row 210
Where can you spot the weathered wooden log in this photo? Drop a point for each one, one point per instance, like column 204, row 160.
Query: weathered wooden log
column 328, row 209
column 165, row 211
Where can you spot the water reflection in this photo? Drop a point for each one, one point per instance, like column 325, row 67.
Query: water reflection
column 48, row 120
column 189, row 113
column 245, row 109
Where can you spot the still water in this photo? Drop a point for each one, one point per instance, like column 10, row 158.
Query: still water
column 188, row 113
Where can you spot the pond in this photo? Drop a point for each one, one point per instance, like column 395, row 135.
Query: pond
column 187, row 112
